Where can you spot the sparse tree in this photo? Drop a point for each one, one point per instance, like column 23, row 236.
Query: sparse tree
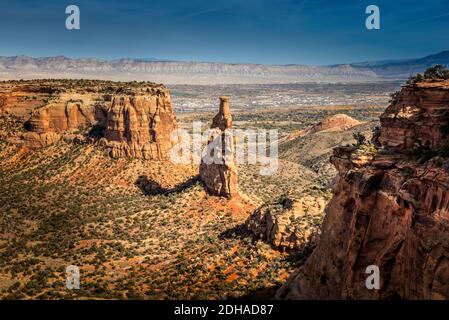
column 359, row 138
column 437, row 72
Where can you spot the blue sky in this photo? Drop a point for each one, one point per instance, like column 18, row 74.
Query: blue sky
column 256, row 31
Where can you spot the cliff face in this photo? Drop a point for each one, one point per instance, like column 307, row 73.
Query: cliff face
column 140, row 126
column 47, row 123
column 286, row 224
column 137, row 119
column 418, row 117
column 388, row 210
column 68, row 115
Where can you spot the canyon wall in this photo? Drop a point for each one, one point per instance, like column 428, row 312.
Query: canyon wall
column 419, row 116
column 390, row 209
column 140, row 126
column 136, row 120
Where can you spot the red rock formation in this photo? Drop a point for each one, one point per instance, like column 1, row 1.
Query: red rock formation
column 286, row 224
column 217, row 168
column 337, row 122
column 419, row 116
column 140, row 126
column 61, row 117
column 387, row 210
column 47, row 123
column 137, row 118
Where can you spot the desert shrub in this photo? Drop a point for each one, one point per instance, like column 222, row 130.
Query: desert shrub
column 415, row 79
column 394, row 97
column 437, row 72
column 359, row 138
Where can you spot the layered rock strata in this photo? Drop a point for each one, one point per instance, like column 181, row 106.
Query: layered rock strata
column 136, row 120
column 419, row 116
column 48, row 123
column 337, row 122
column 140, row 127
column 388, row 210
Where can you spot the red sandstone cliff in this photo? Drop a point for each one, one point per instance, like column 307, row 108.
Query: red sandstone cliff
column 388, row 210
column 419, row 116
column 137, row 118
column 140, row 126
column 47, row 123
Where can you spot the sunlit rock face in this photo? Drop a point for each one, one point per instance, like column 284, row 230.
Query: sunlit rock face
column 217, row 169
column 136, row 120
column 48, row 123
column 286, row 224
column 388, row 210
column 140, row 126
column 419, row 116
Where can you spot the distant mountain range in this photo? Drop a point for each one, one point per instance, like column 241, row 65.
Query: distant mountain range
column 179, row 72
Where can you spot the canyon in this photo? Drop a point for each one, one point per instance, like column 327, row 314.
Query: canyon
column 390, row 208
column 85, row 170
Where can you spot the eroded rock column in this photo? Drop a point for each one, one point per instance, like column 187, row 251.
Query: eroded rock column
column 217, row 168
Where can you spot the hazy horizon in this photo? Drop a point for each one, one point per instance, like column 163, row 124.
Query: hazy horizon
column 160, row 59
column 275, row 32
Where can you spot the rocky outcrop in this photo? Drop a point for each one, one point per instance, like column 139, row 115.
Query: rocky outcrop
column 337, row 122
column 140, row 126
column 135, row 119
column 388, row 210
column 418, row 117
column 288, row 224
column 48, row 123
column 61, row 117
column 217, row 169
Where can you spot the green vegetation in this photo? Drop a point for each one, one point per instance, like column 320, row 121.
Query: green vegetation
column 359, row 138
column 435, row 73
column 67, row 204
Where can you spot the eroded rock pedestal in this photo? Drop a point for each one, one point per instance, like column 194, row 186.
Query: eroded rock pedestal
column 388, row 210
column 217, row 169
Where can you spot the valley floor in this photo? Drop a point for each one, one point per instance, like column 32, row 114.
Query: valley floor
column 70, row 204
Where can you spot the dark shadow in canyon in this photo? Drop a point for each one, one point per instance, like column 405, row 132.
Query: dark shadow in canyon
column 238, row 231
column 150, row 187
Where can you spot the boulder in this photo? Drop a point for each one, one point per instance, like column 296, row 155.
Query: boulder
column 288, row 224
